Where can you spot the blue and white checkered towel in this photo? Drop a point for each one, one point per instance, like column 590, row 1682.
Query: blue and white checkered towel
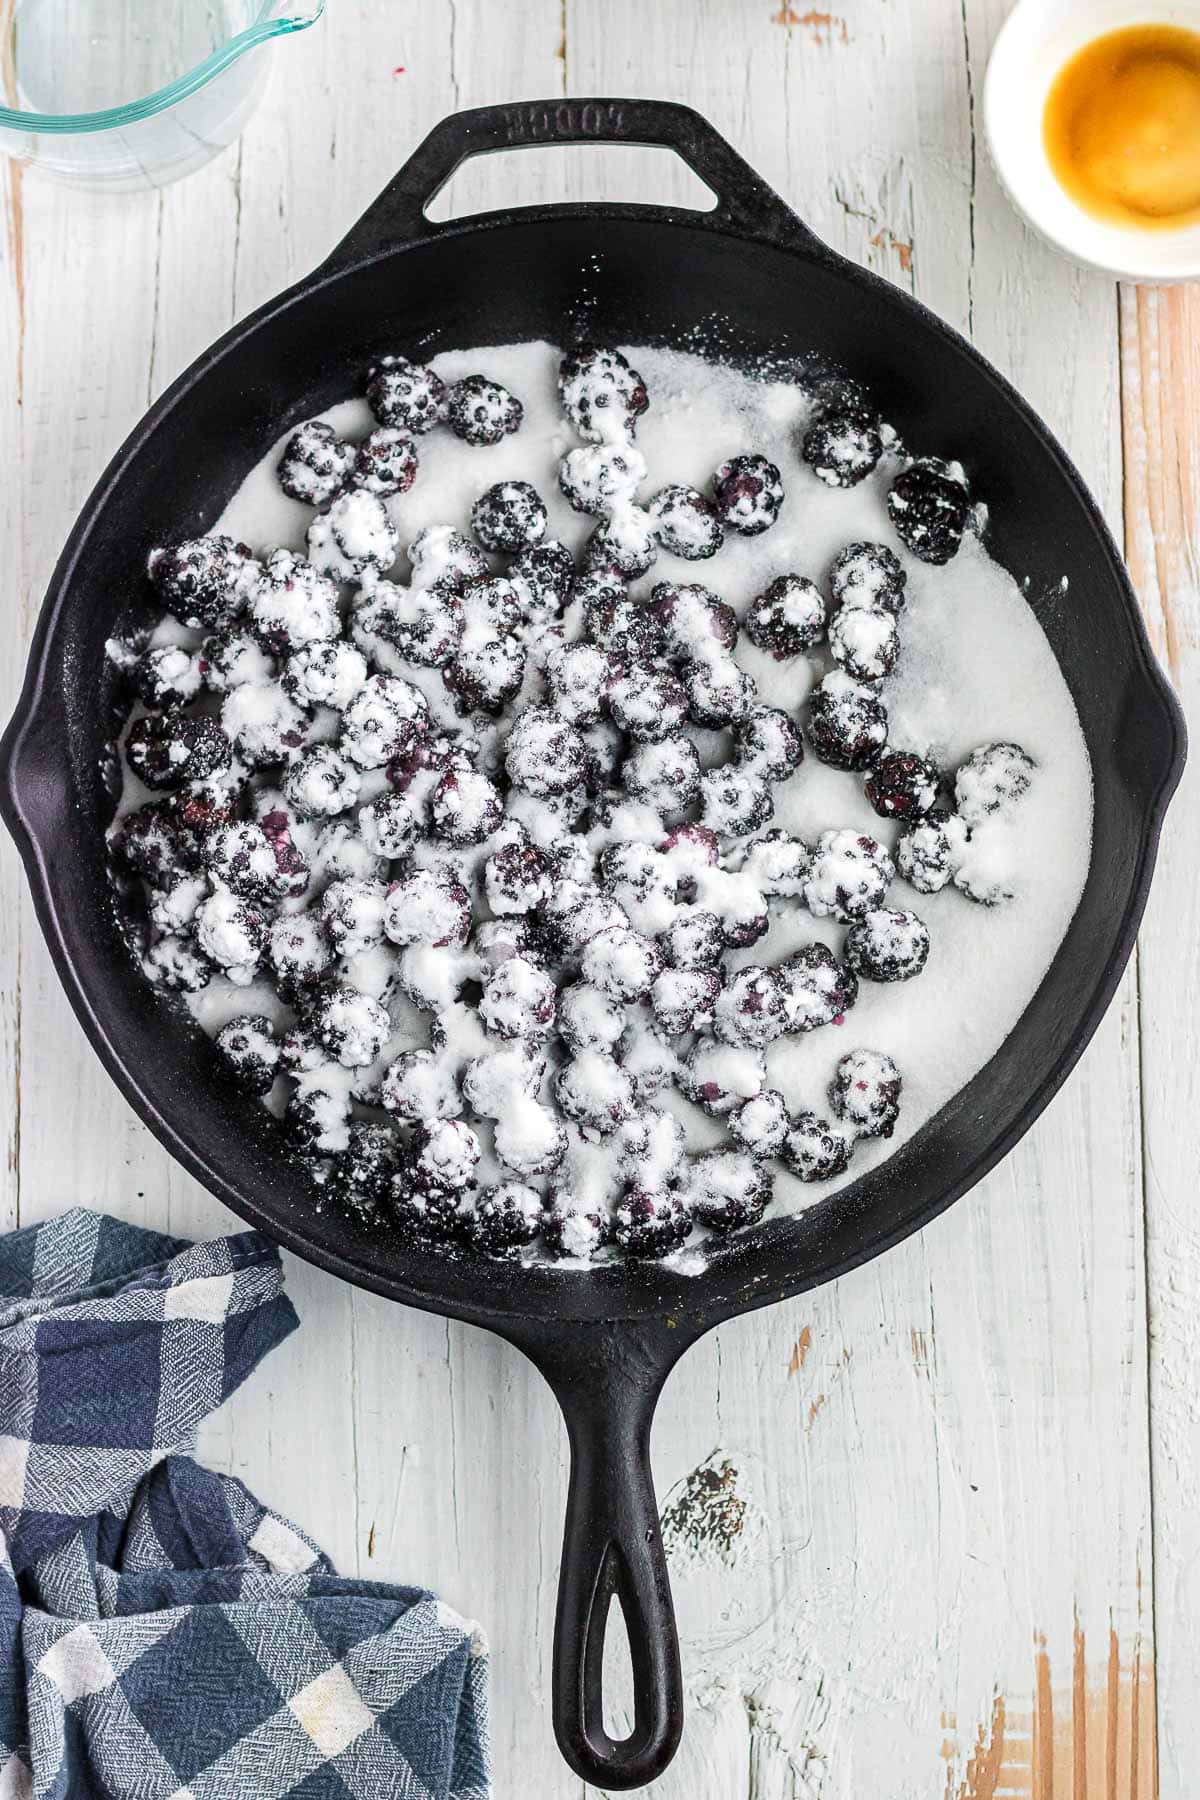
column 161, row 1634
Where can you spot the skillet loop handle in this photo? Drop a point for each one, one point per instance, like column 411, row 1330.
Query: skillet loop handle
column 744, row 201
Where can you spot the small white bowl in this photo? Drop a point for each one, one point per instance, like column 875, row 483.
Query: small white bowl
column 1038, row 38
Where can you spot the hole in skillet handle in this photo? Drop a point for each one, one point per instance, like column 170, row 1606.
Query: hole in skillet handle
column 744, row 202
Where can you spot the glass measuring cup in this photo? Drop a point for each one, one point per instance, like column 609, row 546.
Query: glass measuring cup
column 122, row 94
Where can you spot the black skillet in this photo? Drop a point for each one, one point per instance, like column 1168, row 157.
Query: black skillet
column 750, row 276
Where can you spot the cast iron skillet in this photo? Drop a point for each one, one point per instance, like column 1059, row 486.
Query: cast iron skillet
column 751, row 276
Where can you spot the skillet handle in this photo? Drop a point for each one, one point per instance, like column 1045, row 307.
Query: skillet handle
column 607, row 1378
column 745, row 203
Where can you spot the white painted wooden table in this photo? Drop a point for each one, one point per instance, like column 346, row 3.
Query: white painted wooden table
column 977, row 1460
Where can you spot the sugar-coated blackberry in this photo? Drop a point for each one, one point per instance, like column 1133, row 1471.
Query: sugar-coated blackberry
column 981, row 879
column 601, row 394
column 867, row 575
column 205, row 806
column 351, row 1026
column 243, row 858
column 545, row 575
column 232, row 933
column 517, row 878
column 690, row 848
column 647, row 704
column 685, row 523
column 292, row 871
column 847, row 722
column 518, row 1000
column 767, row 743
column 887, row 946
column 383, row 721
column 729, row 1189
column 683, row 999
column 233, row 658
column 360, row 1177
column 931, row 850
column 485, row 675
column 651, row 1223
column 402, row 393
column 665, row 775
column 584, row 917
column 751, row 1011
column 354, row 913
column 787, row 618
column 850, row 875
column 315, row 463
column 864, row 641
column 148, row 841
column 419, row 1086
column 761, row 1124
column 325, row 674
column 647, row 1058
column 251, row 1048
column 595, row 1092
column 480, row 411
column 991, row 780
column 298, row 953
column 574, row 1231
column 386, row 462
column 621, row 962
column 293, row 604
column 842, row 446
column 322, row 781
column 734, row 801
column 717, row 1077
column 719, row 692
column 445, row 1153
column 903, row 785
column 492, row 940
column 693, row 620
column 206, row 581
column 167, row 750
column 318, row 1114
column 642, row 880
column 589, row 1019
column 865, row 1093
column 390, row 825
column 422, row 1211
column 625, row 542
column 544, row 754
column 425, row 625
column 529, row 1138
column 355, row 534
column 578, row 676
column 816, row 1150
column 778, row 864
column 817, row 989
column 693, row 940
column 341, row 855
column 620, row 625
column 441, row 555
column 598, row 477
column 510, row 516
column 748, row 492
column 175, row 963
column 503, row 1218
column 928, row 505
column 603, row 747
column 428, row 906
column 167, row 676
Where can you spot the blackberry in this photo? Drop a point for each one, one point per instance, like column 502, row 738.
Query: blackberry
column 622, row 963
column 383, row 721
column 573, row 1231
column 719, row 1077
column 422, row 1212
column 169, row 676
column 503, row 1218
column 599, row 477
column 425, row 625
column 748, row 491
column 445, row 1153
column 545, row 575
column 903, row 785
column 517, row 878
column 847, row 722
column 647, row 705
column 864, row 641
column 480, row 411
column 232, row 933
column 315, row 463
column 685, row 523
column 491, row 609
column 622, row 626
column 991, row 780
column 887, row 946
column 817, row 989
column 589, row 1019
column 734, row 801
column 298, row 952
column 647, row 1059
column 683, row 999
column 174, row 963
column 322, row 781
column 513, row 1068
column 867, row 575
column 767, row 743
column 485, row 676
column 693, row 940
column 601, row 394
column 510, row 516
column 578, row 676
column 843, row 446
column 360, row 1177
column 652, row 1150
column 518, row 1000
column 729, row 1189
column 585, row 917
column 318, row 1115
column 693, row 620
column 292, row 871
column 428, row 907
column 206, row 581
column 205, row 806
column 814, row 1149
column 386, row 462
column 690, row 848
column 788, row 617
column 625, row 542
column 544, row 754
column 243, row 858
column 603, row 747
column 761, row 1125
column 665, row 775
column 865, row 1093
column 751, row 1011
column 641, row 880
column 232, row 660
column 927, row 505
column 293, row 604
column 495, row 939
column 719, row 692
column 354, row 914
column 355, row 534
column 651, row 1223
column 390, row 826
column 850, row 875
column 441, row 556
column 351, row 1026
column 148, row 841
column 406, row 395
column 325, row 674
column 167, row 750
column 251, row 1048
column 418, row 1086
column 529, row 1138
column 930, row 851
column 594, row 1092
column 980, row 880
column 341, row 855
column 778, row 865
column 173, row 909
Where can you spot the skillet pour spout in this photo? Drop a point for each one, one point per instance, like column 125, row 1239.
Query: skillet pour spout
column 751, row 279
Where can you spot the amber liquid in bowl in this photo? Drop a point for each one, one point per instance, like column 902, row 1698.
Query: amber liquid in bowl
column 1122, row 127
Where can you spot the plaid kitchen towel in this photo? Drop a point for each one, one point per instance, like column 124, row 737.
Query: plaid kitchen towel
column 162, row 1635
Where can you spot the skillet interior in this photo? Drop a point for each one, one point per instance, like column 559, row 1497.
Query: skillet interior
column 621, row 275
